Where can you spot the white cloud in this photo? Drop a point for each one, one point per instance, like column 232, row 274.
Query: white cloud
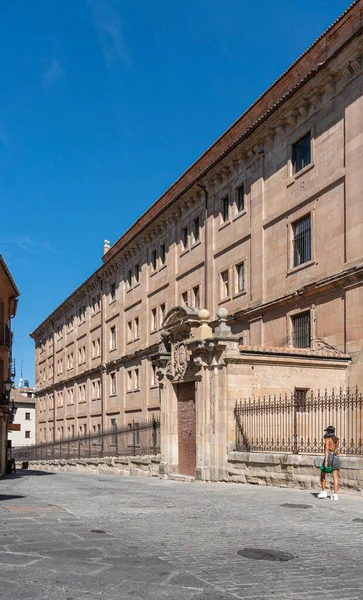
column 108, row 25
column 28, row 245
column 53, row 74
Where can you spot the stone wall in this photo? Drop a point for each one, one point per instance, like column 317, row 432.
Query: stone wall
column 290, row 470
column 147, row 466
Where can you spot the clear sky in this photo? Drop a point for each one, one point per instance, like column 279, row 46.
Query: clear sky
column 104, row 103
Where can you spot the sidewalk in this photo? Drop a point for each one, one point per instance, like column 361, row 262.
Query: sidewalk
column 68, row 536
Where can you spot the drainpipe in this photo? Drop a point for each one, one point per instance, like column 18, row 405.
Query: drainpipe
column 206, row 296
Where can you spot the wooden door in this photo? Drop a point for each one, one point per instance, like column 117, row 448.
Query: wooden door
column 186, row 428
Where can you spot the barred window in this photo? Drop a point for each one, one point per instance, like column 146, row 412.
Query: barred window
column 301, row 153
column 301, row 330
column 302, row 241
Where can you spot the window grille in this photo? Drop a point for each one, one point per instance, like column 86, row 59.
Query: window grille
column 301, row 330
column 302, row 241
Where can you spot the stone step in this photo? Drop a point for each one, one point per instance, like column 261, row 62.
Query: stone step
column 177, row 477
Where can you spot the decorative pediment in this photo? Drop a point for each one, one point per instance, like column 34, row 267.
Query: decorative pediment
column 181, row 317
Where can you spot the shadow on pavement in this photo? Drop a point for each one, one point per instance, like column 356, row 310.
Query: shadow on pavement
column 10, row 496
column 25, row 473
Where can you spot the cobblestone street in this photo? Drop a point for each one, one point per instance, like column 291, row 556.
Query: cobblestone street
column 68, row 536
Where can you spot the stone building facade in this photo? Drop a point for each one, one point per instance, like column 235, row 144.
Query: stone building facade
column 8, row 305
column 268, row 225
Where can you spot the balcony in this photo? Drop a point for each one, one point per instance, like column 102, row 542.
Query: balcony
column 5, row 336
column 12, row 371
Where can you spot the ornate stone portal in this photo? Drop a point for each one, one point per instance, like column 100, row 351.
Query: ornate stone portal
column 190, row 352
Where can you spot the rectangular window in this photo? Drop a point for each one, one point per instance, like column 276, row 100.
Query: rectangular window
column 184, row 238
column 112, row 384
column 240, row 276
column 225, row 209
column 162, row 254
column 137, row 380
column 153, row 260
column 137, row 328
column 98, row 389
column 240, row 198
column 113, row 428
column 301, row 330
column 302, row 241
column 72, row 428
column 300, row 399
column 27, row 416
column 85, row 430
column 112, row 292
column 225, row 284
column 129, row 331
column 27, row 435
column 129, row 279
column 98, row 347
column 113, row 337
column 137, row 273
column 153, row 375
column 301, row 153
column 129, row 381
column 184, row 299
column 196, row 297
column 93, row 348
column 196, row 230
column 153, row 319
column 162, row 313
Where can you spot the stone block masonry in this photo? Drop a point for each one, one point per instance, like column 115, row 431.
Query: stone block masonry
column 144, row 466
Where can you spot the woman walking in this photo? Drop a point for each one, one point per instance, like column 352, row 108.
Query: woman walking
column 331, row 462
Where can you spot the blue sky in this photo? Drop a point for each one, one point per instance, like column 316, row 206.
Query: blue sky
column 104, row 103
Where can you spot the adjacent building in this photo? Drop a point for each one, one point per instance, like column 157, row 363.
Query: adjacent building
column 24, row 424
column 8, row 304
column 267, row 224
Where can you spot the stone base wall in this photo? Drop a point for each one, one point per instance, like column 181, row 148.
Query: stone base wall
column 147, row 466
column 290, row 470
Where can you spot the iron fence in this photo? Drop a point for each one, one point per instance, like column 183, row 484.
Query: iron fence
column 295, row 423
column 135, row 440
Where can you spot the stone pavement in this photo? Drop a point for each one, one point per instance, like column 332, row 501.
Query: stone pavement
column 68, row 536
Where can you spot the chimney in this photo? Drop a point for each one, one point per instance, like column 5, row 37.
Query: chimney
column 106, row 246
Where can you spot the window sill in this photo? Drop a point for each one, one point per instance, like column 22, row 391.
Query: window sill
column 153, row 331
column 223, row 300
column 295, row 176
column 224, row 225
column 196, row 244
column 239, row 215
column 113, row 349
column 162, row 267
column 305, row 265
column 110, row 396
column 153, row 272
column 240, row 294
column 112, row 301
column 154, row 386
column 184, row 251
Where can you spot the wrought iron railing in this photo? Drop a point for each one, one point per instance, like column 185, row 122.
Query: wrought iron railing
column 295, row 423
column 5, row 335
column 135, row 440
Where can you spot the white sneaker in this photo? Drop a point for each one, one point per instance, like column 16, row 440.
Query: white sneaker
column 322, row 495
column 334, row 497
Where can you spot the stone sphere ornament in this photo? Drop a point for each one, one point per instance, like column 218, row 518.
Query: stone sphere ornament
column 204, row 314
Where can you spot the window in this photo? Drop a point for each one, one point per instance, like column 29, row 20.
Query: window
column 302, row 241
column 72, row 428
column 82, row 314
column 62, row 432
column 98, row 347
column 137, row 328
column 153, row 320
column 137, row 380
column 225, row 209
column 162, row 313
column 137, row 273
column 196, row 230
column 184, row 299
column 196, row 297
column 85, row 429
column 153, row 375
column 240, row 198
column 129, row 279
column 129, row 331
column 112, row 292
column 93, row 348
column 301, row 153
column 95, row 304
column 82, row 393
column 300, row 399
column 162, row 254
column 113, row 337
column 129, row 381
column 114, row 428
column 98, row 389
column 27, row 435
column 184, row 237
column 112, row 384
column 240, row 279
column 153, row 260
column 301, row 330
column 27, row 416
column 225, row 284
